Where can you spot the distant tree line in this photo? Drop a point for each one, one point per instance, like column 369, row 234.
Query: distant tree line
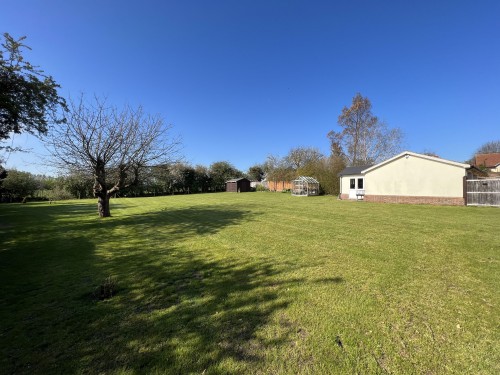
column 167, row 179
column 182, row 178
column 17, row 186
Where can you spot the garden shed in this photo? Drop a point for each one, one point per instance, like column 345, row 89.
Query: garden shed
column 238, row 185
column 305, row 186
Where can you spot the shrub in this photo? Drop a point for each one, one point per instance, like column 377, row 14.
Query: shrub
column 58, row 194
column 261, row 188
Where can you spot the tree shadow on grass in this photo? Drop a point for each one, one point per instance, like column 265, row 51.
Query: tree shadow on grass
column 187, row 221
column 188, row 317
column 330, row 280
column 185, row 310
column 177, row 310
column 40, row 280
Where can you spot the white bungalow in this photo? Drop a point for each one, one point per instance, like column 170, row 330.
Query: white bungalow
column 407, row 178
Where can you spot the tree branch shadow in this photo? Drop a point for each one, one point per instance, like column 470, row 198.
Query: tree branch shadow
column 177, row 310
column 189, row 318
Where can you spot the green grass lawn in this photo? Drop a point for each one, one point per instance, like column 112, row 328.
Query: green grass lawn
column 260, row 283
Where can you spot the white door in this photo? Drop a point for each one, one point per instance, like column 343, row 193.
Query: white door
column 352, row 188
column 356, row 188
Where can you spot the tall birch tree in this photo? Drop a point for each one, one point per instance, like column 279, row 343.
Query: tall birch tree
column 363, row 138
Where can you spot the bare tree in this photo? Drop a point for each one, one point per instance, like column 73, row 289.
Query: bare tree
column 364, row 139
column 429, row 152
column 489, row 148
column 278, row 169
column 112, row 144
column 299, row 157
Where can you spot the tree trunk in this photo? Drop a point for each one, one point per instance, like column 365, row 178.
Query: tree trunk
column 100, row 190
column 103, row 205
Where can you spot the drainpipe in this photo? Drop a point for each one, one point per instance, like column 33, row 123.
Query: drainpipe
column 340, row 187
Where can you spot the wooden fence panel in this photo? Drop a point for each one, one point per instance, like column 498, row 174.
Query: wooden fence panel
column 483, row 192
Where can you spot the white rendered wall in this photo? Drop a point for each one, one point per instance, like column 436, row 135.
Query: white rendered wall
column 415, row 176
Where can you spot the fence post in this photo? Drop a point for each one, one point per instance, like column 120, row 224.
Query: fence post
column 465, row 189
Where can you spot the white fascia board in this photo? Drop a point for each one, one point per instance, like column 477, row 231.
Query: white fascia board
column 409, row 153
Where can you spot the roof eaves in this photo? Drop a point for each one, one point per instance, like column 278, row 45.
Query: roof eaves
column 409, row 153
column 351, row 171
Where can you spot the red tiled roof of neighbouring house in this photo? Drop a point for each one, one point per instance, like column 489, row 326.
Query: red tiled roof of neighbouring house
column 487, row 160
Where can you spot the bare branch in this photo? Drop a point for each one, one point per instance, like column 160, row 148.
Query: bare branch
column 109, row 143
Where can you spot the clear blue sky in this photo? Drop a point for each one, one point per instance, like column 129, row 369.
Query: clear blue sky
column 243, row 79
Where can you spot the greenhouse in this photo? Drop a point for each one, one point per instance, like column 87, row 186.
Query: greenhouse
column 305, row 186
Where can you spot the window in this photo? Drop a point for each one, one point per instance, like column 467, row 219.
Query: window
column 360, row 183
column 353, row 183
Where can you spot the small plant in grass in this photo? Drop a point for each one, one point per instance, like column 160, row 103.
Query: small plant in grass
column 106, row 290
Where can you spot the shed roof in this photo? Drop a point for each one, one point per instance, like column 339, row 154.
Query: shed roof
column 237, row 179
column 353, row 170
column 478, row 172
column 307, row 179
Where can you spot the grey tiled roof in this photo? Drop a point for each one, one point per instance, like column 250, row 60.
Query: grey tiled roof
column 354, row 170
